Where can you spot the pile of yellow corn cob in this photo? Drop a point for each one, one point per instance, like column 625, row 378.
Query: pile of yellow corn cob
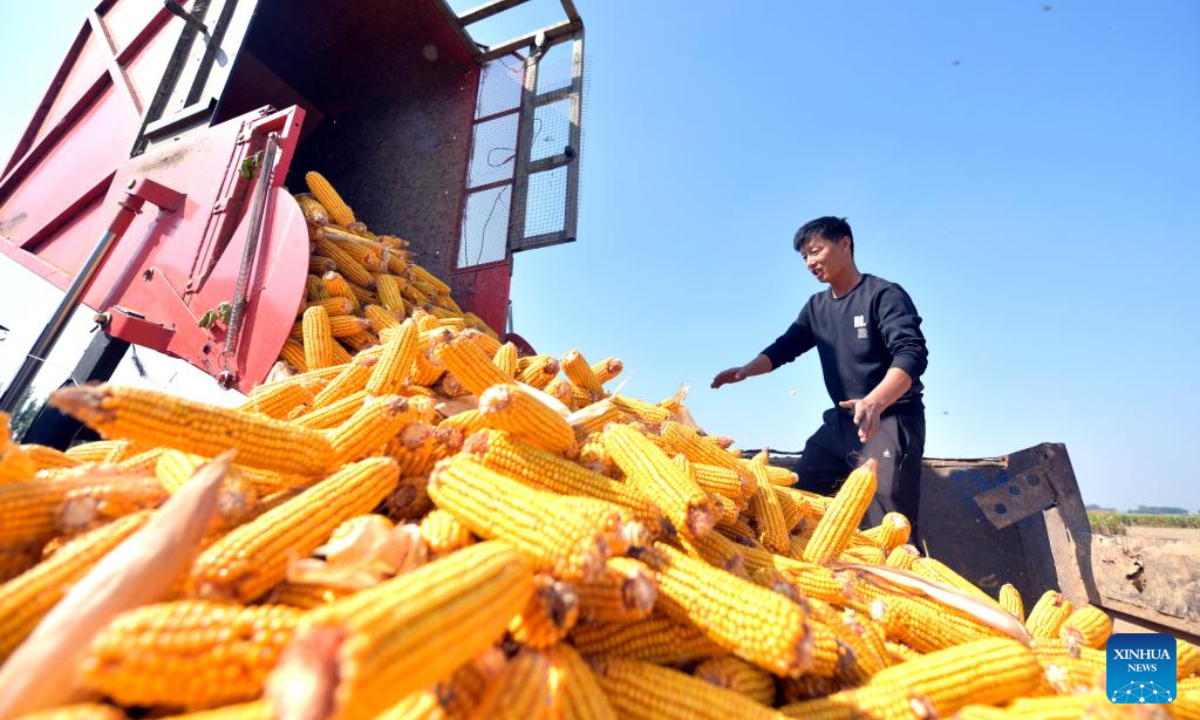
column 358, row 284
column 434, row 527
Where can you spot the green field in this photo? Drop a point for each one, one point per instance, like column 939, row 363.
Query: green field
column 1114, row 523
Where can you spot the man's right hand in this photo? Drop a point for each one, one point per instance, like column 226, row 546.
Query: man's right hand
column 732, row 375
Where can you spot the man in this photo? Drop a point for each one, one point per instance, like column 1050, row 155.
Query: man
column 868, row 335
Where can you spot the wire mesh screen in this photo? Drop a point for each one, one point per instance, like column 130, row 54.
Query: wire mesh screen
column 500, row 84
column 555, row 70
column 549, row 196
column 546, row 211
column 485, row 226
column 493, row 151
column 551, row 130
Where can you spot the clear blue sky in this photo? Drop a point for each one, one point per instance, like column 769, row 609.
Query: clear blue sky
column 1030, row 176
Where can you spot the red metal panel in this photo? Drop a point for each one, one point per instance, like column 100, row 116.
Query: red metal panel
column 169, row 269
column 82, row 130
column 484, row 291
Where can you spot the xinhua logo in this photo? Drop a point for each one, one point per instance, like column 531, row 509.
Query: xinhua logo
column 1141, row 668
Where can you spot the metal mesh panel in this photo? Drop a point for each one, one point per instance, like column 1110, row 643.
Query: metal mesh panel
column 485, row 227
column 551, row 129
column 500, row 84
column 493, row 151
column 547, row 206
column 554, row 69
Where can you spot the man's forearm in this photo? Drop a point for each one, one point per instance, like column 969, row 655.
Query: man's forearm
column 760, row 365
column 894, row 384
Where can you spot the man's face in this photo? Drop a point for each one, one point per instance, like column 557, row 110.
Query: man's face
column 825, row 259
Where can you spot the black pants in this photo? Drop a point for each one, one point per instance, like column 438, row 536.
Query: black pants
column 834, row 450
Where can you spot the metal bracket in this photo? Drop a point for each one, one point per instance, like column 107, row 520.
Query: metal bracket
column 1025, row 494
column 180, row 12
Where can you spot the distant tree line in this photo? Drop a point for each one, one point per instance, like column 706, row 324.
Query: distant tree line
column 1146, row 510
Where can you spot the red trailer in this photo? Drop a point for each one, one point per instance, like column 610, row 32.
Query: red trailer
column 152, row 182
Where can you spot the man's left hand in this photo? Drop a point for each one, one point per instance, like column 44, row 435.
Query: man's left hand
column 866, row 416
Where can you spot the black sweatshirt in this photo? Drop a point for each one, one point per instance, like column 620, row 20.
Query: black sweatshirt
column 859, row 336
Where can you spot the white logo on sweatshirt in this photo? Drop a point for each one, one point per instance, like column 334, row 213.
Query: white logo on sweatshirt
column 860, row 321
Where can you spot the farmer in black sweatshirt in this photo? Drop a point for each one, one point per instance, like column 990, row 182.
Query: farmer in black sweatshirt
column 868, row 335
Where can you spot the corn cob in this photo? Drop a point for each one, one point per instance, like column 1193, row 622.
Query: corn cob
column 461, row 692
column 890, row 703
column 341, row 327
column 892, row 532
column 537, row 371
column 369, row 429
column 318, row 265
column 578, row 691
column 442, row 533
column 866, row 555
column 656, row 477
column 16, row 559
column 48, row 458
column 15, row 463
column 682, row 439
column 347, row 265
column 293, row 354
column 89, row 504
column 748, row 620
column 903, row 557
column 1048, row 615
column 389, row 288
column 336, row 286
column 646, row 412
column 25, row 599
column 815, row 581
column 314, row 212
column 406, row 633
column 738, row 676
column 279, row 398
column 192, row 653
column 28, row 508
column 78, row 711
column 738, row 487
column 987, row 671
column 1010, row 600
column 1090, row 625
column 514, row 409
column 156, row 418
column 551, row 612
column 253, row 558
column 382, row 319
column 314, row 288
column 317, row 338
column 468, row 363
column 639, row 690
column 421, row 274
column 579, row 372
column 793, row 512
column 352, row 378
column 543, row 470
column 337, row 209
column 331, row 415
column 335, row 306
column 606, row 370
column 496, row 507
column 833, row 532
column 657, row 639
column 304, row 596
column 421, row 705
column 506, row 360
column 926, row 626
column 764, row 504
column 576, row 397
column 1187, row 659
column 625, row 592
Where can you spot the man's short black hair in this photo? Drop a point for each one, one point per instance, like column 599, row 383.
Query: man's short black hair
column 831, row 228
